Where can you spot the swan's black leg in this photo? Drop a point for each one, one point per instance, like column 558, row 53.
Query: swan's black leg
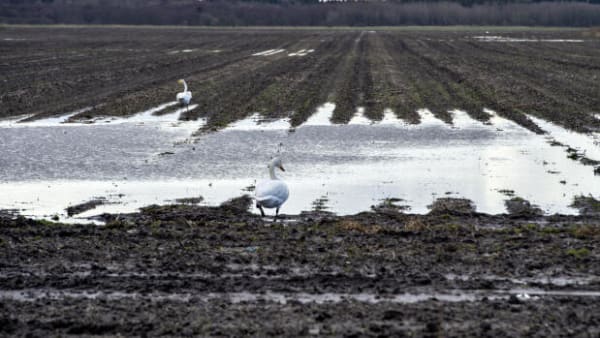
column 262, row 212
column 276, row 214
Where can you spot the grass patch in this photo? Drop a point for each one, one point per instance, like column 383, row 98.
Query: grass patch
column 45, row 222
column 552, row 230
column 579, row 253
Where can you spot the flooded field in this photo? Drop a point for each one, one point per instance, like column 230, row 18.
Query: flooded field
column 442, row 182
column 145, row 159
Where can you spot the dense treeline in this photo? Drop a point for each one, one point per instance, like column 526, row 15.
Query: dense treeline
column 300, row 12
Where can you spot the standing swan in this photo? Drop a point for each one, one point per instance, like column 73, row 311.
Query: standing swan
column 185, row 96
column 272, row 193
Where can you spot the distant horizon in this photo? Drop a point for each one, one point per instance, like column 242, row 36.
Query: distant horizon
column 498, row 28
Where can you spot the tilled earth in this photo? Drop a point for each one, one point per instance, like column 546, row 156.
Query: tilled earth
column 124, row 70
column 191, row 270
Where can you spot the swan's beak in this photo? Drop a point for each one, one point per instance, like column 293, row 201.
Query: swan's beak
column 281, row 167
column 180, row 81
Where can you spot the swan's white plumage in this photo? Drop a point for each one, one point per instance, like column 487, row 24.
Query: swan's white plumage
column 272, row 193
column 184, row 98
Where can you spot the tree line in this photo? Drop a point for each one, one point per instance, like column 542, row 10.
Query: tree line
column 301, row 12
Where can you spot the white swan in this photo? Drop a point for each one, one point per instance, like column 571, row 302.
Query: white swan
column 271, row 193
column 185, row 96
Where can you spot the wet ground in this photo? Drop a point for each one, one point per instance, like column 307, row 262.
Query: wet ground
column 288, row 72
column 133, row 162
column 413, row 108
column 188, row 270
column 384, row 232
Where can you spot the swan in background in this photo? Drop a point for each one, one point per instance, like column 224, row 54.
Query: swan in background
column 271, row 193
column 185, row 96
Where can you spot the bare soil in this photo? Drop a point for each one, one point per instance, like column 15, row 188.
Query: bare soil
column 177, row 270
column 124, row 70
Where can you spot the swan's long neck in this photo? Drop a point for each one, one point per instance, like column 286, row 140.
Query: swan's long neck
column 184, row 86
column 272, row 173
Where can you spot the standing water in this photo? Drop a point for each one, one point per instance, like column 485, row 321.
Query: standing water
column 48, row 166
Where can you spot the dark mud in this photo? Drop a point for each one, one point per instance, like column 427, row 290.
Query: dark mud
column 83, row 207
column 192, row 270
column 125, row 70
column 587, row 205
column 189, row 200
column 449, row 205
column 520, row 207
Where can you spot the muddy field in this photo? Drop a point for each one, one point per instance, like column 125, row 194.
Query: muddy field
column 186, row 270
column 551, row 74
column 402, row 268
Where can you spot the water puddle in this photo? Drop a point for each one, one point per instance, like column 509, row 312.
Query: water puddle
column 307, row 298
column 181, row 51
column 462, row 120
column 46, row 122
column 559, row 281
column 263, row 52
column 390, row 118
column 274, row 52
column 302, row 52
column 152, row 115
column 322, row 117
column 528, row 292
column 149, row 116
column 496, row 38
column 50, row 199
column 359, row 117
column 450, row 296
column 587, row 144
column 429, row 120
column 258, row 122
column 148, row 159
column 12, row 122
column 280, row 272
column 269, row 52
column 501, row 123
column 255, row 271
